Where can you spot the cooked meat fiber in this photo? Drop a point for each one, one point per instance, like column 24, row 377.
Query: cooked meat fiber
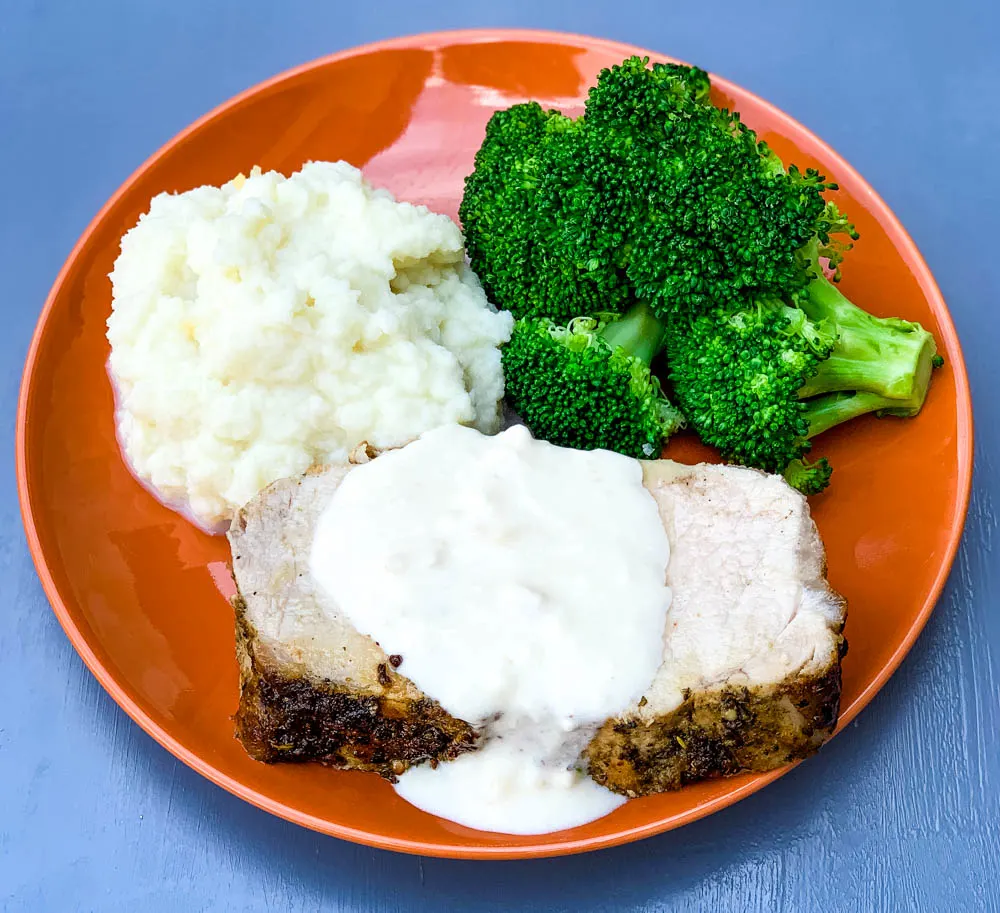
column 750, row 678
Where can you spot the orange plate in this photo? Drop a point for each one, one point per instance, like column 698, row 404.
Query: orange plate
column 137, row 588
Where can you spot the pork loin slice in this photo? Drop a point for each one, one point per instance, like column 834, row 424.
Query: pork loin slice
column 752, row 645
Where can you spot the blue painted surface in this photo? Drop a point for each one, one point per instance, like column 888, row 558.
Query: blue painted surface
column 900, row 813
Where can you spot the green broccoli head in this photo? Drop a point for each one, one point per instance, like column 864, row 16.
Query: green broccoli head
column 737, row 376
column 653, row 195
column 760, row 382
column 716, row 219
column 631, row 93
column 809, row 478
column 587, row 385
column 539, row 219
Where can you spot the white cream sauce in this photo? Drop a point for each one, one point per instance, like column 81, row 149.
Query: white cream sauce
column 523, row 585
column 502, row 788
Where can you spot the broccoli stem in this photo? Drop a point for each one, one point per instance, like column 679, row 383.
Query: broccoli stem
column 640, row 333
column 831, row 409
column 885, row 356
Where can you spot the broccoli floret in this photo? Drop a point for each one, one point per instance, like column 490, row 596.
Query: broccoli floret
column 760, row 382
column 539, row 218
column 653, row 195
column 588, row 385
column 809, row 478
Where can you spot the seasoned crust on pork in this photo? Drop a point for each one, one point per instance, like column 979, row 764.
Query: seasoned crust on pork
column 311, row 686
column 752, row 645
column 717, row 733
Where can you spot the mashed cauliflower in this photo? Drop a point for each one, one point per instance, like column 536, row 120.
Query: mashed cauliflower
column 274, row 323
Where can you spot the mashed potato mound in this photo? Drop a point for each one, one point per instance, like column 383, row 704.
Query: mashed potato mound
column 275, row 323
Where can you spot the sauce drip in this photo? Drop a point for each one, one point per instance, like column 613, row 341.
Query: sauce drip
column 523, row 583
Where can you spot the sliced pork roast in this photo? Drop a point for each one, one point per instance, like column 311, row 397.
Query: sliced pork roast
column 750, row 678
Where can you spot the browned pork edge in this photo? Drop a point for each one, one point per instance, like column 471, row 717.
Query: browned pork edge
column 718, row 733
column 286, row 715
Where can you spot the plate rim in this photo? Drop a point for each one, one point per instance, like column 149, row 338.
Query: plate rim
column 898, row 235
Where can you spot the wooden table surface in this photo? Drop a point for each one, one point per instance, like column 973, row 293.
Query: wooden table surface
column 902, row 812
